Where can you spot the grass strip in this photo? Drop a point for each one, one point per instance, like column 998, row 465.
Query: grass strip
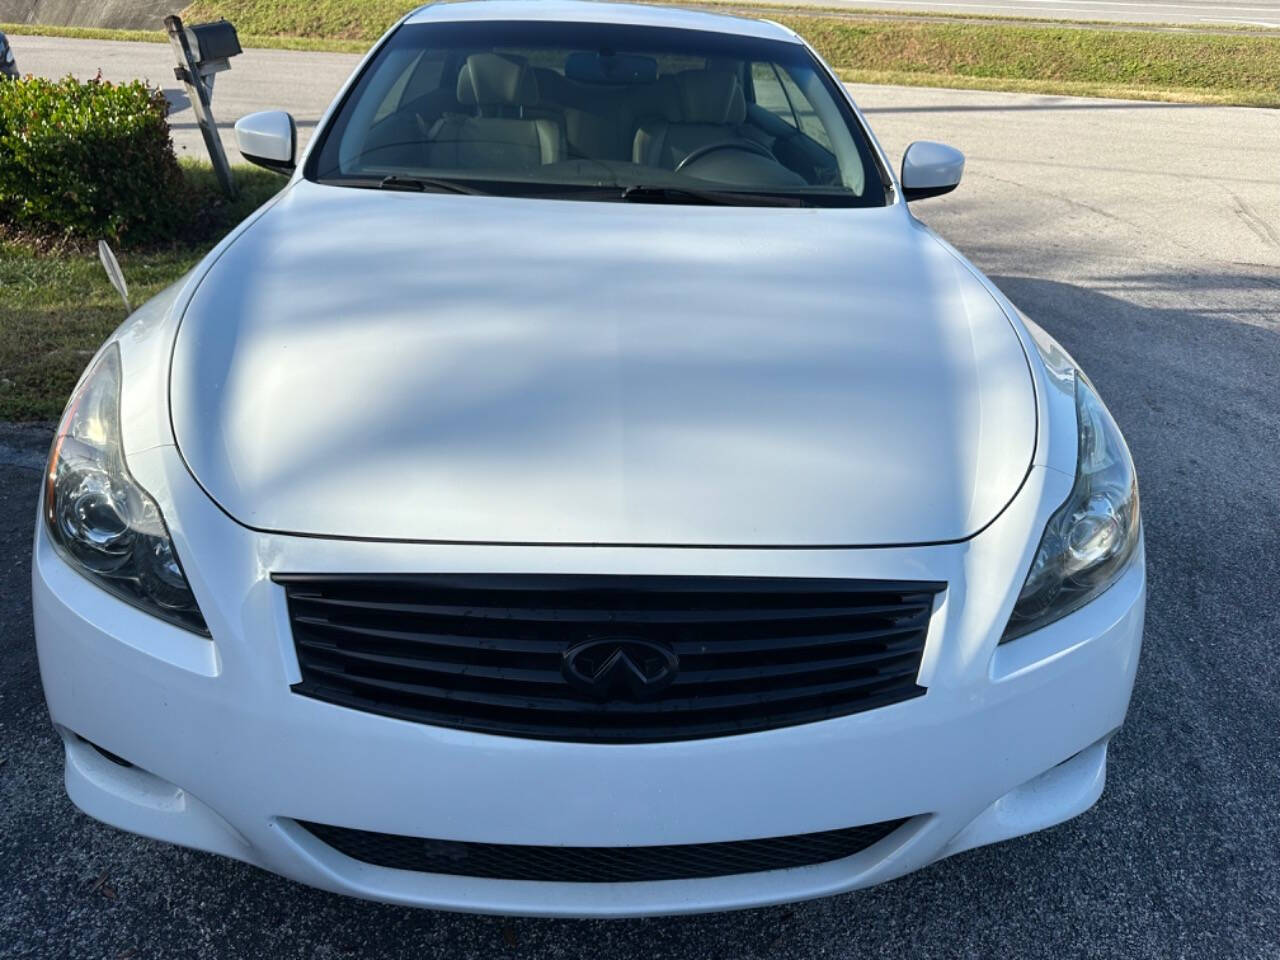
column 771, row 11
column 55, row 309
column 56, row 305
column 1224, row 66
column 247, row 40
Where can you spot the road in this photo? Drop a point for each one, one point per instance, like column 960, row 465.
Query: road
column 1146, row 237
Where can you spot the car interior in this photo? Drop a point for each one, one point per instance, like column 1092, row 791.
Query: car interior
column 586, row 112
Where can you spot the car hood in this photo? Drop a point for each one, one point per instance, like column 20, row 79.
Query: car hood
column 456, row 368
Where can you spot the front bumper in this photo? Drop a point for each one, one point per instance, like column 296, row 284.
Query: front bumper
column 1007, row 740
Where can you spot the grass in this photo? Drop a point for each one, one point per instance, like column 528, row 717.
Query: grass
column 56, row 306
column 332, row 19
column 55, row 309
column 1215, row 68
column 769, row 9
column 1224, row 67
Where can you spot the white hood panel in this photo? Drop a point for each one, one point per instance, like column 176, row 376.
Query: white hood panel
column 438, row 367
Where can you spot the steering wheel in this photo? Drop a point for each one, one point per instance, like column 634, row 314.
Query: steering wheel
column 750, row 146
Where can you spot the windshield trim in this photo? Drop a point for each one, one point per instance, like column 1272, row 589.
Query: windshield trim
column 622, row 192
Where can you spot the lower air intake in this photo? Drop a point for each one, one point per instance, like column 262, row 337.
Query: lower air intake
column 600, row 864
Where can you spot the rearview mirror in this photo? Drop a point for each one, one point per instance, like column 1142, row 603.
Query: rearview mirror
column 930, row 170
column 616, row 68
column 269, row 139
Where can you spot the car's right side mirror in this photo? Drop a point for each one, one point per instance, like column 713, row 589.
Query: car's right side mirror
column 930, row 170
column 269, row 139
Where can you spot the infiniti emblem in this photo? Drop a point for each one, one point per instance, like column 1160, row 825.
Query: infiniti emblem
column 620, row 668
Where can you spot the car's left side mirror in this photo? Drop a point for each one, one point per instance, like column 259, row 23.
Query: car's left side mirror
column 269, row 139
column 930, row 170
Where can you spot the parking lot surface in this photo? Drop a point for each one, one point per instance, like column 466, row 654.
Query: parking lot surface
column 1145, row 238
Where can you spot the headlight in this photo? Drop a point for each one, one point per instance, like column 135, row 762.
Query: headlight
column 102, row 522
column 1091, row 537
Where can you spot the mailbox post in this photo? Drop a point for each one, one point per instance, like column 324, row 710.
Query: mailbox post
column 202, row 51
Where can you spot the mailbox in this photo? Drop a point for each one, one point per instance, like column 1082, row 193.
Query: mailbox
column 202, row 51
column 210, row 42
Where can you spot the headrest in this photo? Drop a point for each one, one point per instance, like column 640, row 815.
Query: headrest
column 710, row 97
column 488, row 80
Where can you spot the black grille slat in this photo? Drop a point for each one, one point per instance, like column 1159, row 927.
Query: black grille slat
column 649, row 730
column 512, row 644
column 600, row 864
column 801, row 641
column 459, row 670
column 682, row 647
column 532, row 702
column 487, row 586
column 785, row 672
column 615, row 617
column 448, row 668
column 752, row 653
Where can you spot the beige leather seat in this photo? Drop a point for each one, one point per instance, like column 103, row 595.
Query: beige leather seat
column 498, row 137
column 703, row 107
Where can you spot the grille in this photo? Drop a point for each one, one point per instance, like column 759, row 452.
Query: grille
column 600, row 864
column 491, row 653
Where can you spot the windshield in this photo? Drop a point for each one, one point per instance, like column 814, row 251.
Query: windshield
column 566, row 109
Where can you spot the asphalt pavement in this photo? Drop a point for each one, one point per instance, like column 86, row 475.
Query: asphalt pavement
column 1146, row 237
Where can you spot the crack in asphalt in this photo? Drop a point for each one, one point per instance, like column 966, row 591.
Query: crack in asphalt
column 1265, row 232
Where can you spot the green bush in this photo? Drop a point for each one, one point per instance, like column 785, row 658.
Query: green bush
column 88, row 160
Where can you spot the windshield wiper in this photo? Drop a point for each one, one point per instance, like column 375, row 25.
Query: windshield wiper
column 634, row 193
column 428, row 185
column 645, row 193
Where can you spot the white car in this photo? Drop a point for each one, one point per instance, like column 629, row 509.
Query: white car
column 587, row 489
